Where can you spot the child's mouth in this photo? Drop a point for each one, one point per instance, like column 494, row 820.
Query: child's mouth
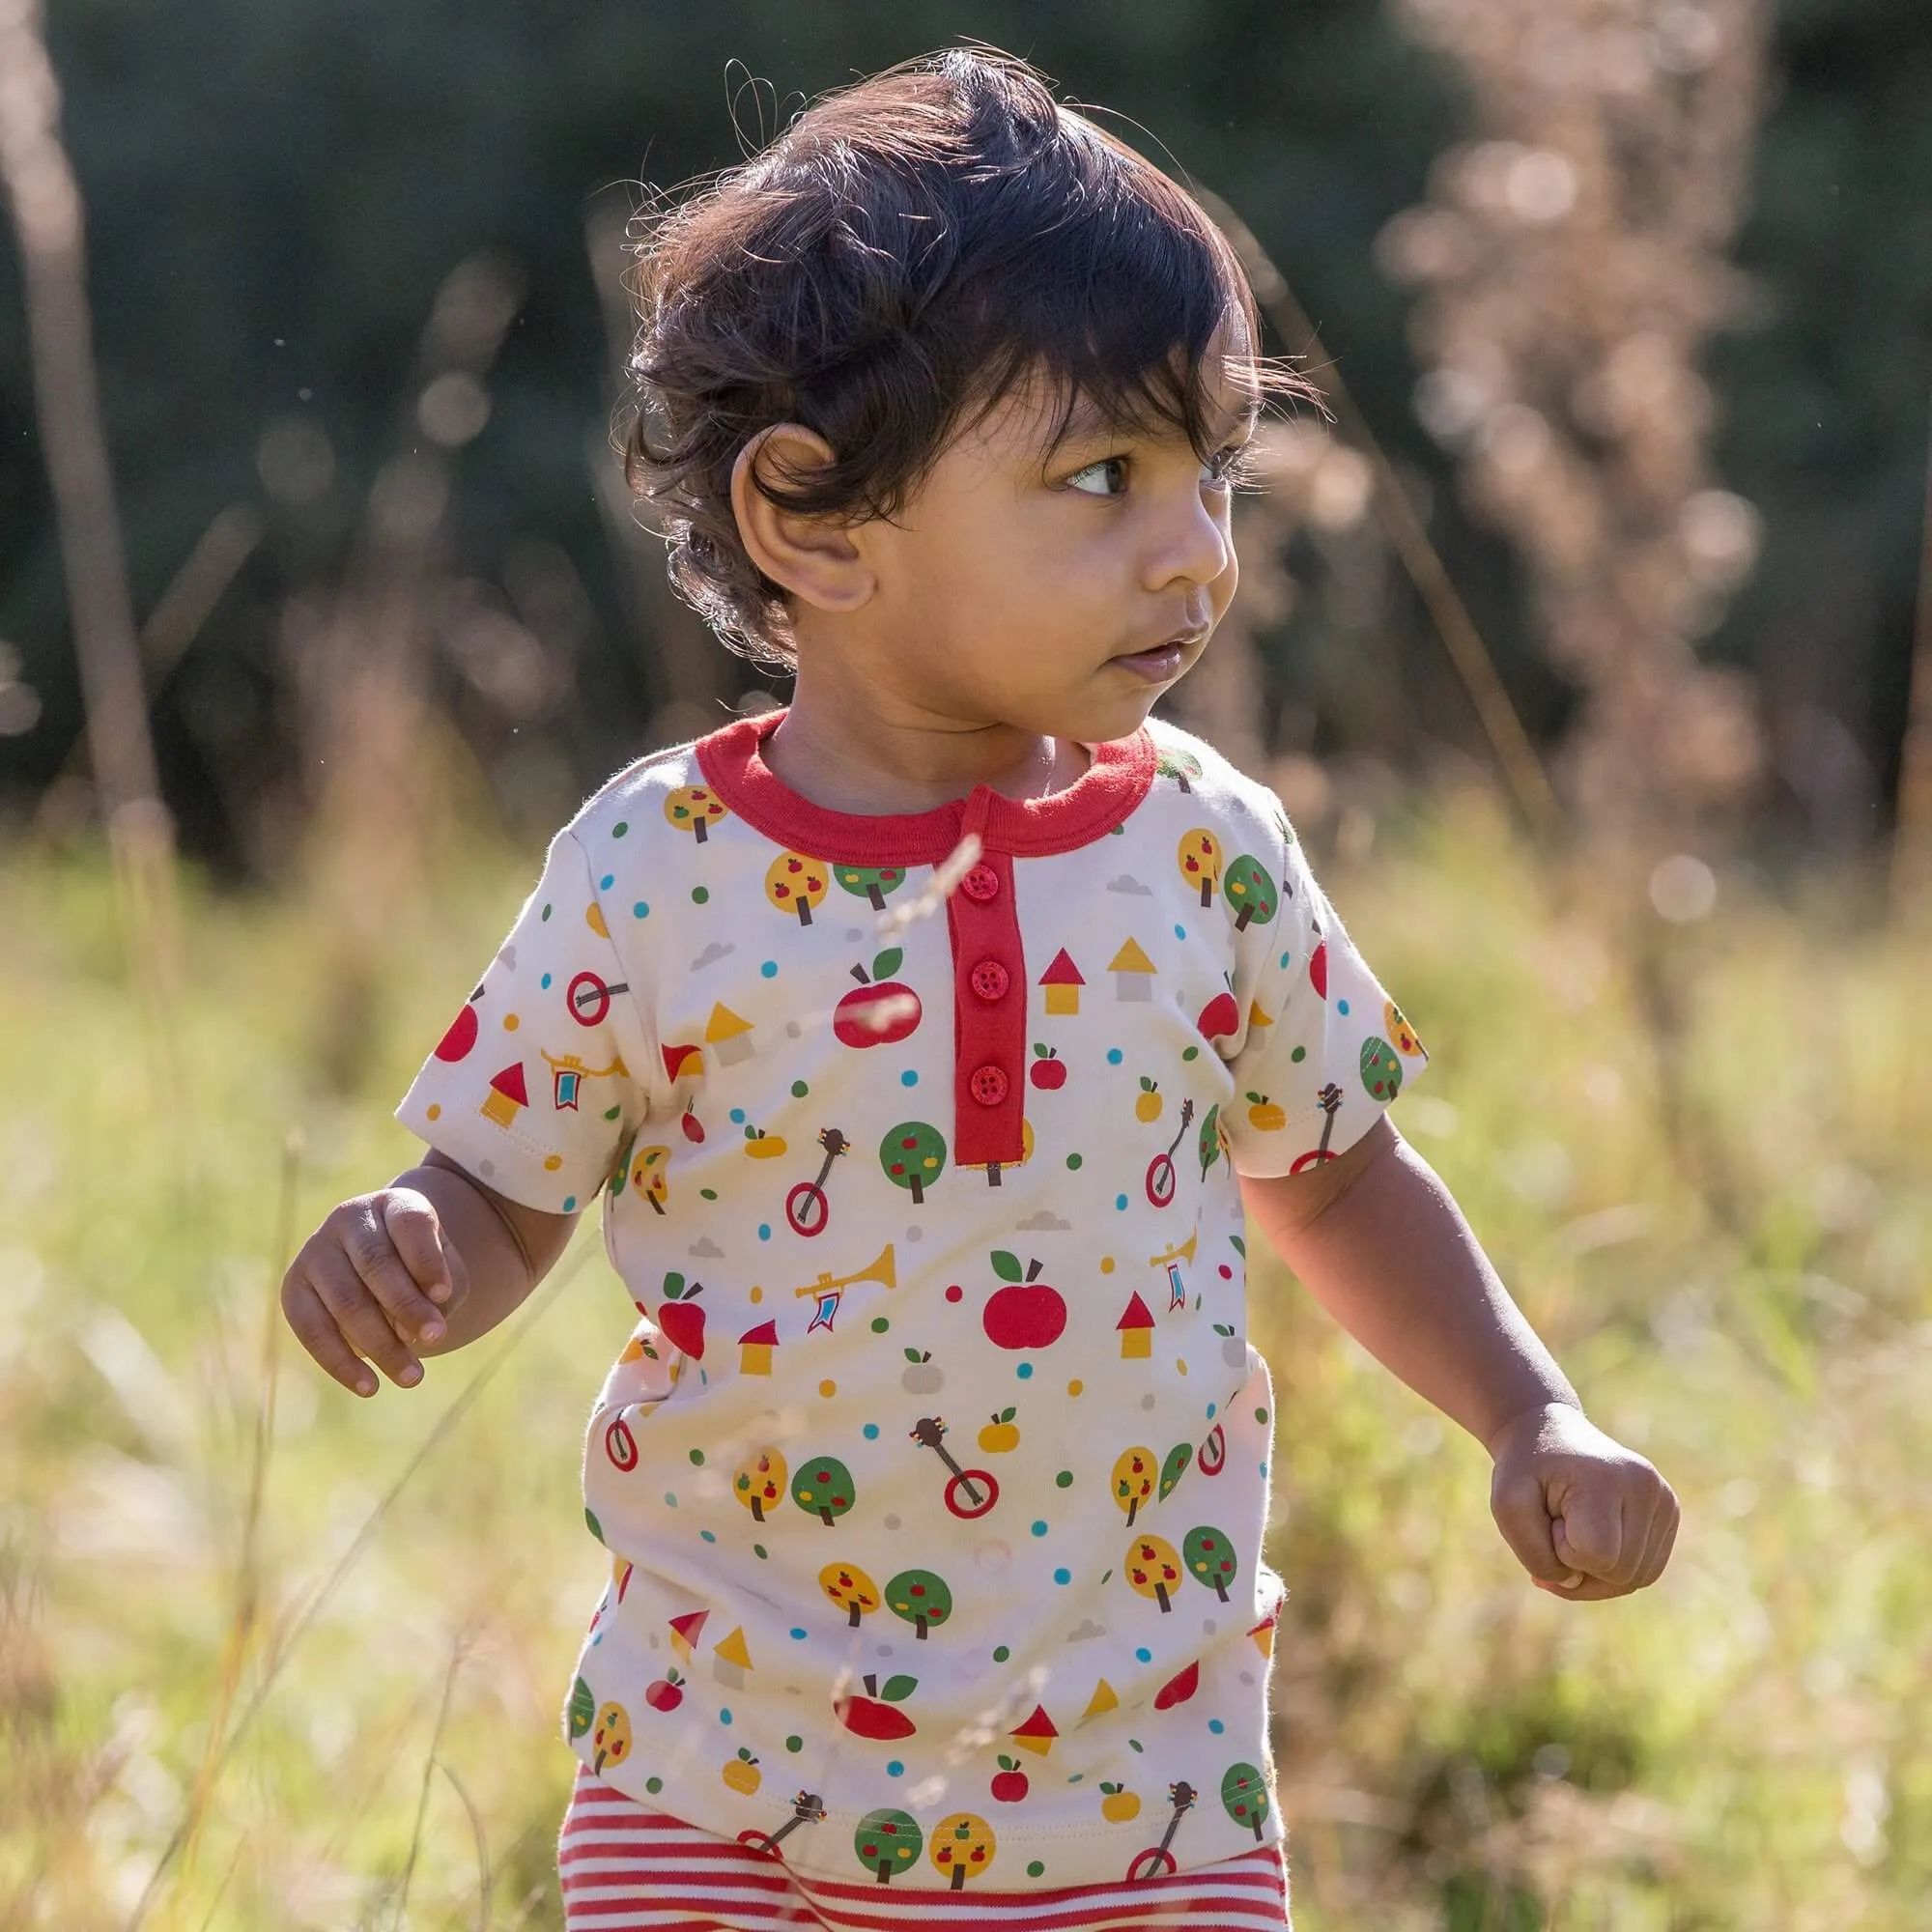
column 1157, row 664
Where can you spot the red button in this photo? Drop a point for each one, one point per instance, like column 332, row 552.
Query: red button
column 990, row 980
column 989, row 1086
column 980, row 884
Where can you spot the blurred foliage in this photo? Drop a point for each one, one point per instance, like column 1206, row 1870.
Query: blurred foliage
column 1721, row 1224
column 277, row 191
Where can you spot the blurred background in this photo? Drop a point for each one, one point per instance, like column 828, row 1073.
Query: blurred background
column 1587, row 634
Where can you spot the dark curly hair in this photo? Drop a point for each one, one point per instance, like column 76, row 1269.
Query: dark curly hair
column 906, row 254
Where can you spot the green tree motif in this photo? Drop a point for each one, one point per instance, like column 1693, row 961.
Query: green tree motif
column 583, row 1710
column 888, row 1841
column 1248, row 884
column 823, row 1486
column 1175, row 1467
column 1381, row 1070
column 1210, row 1139
column 1244, row 1796
column 1209, row 1557
column 912, row 1156
column 920, row 1597
column 871, row 882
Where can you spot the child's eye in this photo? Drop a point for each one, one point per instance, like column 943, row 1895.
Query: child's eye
column 1112, row 470
column 1226, row 467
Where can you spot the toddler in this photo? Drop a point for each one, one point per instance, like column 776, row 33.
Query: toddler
column 932, row 1043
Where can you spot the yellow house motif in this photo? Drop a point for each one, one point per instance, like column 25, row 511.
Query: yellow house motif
column 730, row 1034
column 755, row 1348
column 1133, row 973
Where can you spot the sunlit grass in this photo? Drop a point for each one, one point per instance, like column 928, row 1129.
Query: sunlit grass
column 1722, row 1230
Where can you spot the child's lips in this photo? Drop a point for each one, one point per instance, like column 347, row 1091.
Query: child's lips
column 1159, row 662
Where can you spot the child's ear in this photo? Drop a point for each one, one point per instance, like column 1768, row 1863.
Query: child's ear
column 814, row 558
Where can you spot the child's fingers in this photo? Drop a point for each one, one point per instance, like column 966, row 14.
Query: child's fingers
column 316, row 1330
column 363, row 1320
column 370, row 1251
column 1590, row 1534
column 1662, row 1537
column 1517, row 1506
column 417, row 1235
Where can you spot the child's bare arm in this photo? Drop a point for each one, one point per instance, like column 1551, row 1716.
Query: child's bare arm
column 1381, row 1245
column 416, row 1268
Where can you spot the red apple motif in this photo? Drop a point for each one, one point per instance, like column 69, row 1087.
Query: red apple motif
column 1010, row 1786
column 1178, row 1689
column 1028, row 1314
column 1222, row 1014
column 666, row 1694
column 882, row 1011
column 678, row 1320
column 1049, row 1071
column 694, row 1127
column 873, row 1716
column 1318, row 970
column 461, row 1036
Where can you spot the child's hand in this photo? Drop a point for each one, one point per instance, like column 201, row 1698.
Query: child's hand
column 1588, row 1518
column 369, row 1282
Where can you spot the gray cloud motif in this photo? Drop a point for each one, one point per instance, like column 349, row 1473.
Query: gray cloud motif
column 1046, row 1221
column 705, row 1249
column 711, row 955
column 1127, row 883
column 1086, row 1628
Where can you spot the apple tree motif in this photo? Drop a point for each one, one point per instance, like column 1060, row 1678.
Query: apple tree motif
column 912, row 1156
column 1210, row 1141
column 1173, row 1468
column 695, row 809
column 582, row 1712
column 794, row 883
column 1199, row 857
column 1152, row 1569
column 871, row 882
column 963, row 1846
column 759, row 1481
column 1244, row 1797
column 888, row 1841
column 850, row 1589
column 610, row 1741
column 1381, row 1070
column 1180, row 766
column 920, row 1597
column 1247, row 886
column 1209, row 1557
column 650, row 1175
column 1400, row 1031
column 823, row 1486
column 1133, row 1481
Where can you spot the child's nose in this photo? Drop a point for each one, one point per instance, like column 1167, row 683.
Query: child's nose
column 1193, row 546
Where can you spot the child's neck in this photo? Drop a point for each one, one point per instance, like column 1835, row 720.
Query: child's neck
column 870, row 760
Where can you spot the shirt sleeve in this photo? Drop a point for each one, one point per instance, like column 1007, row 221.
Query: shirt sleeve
column 1326, row 1049
column 531, row 1088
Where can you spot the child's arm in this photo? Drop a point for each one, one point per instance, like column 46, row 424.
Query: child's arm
column 1381, row 1245
column 434, row 1260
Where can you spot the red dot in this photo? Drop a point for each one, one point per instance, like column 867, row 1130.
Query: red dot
column 1227, row 1273
column 954, row 1291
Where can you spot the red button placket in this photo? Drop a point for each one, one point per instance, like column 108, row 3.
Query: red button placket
column 988, row 1015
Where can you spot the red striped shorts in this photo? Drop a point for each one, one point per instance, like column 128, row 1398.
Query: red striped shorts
column 624, row 1866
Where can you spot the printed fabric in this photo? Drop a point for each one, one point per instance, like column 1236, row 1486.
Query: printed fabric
column 935, row 1473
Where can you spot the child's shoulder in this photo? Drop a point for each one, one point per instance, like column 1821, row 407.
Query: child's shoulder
column 663, row 787
column 1188, row 769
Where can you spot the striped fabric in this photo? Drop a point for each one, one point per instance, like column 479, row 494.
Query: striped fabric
column 624, row 1866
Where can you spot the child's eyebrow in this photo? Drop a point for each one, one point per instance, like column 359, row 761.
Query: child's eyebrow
column 1089, row 422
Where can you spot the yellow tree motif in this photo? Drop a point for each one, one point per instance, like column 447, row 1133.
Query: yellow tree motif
column 1198, row 858
column 962, row 1847
column 760, row 1482
column 1154, row 1568
column 1134, row 1476
column 794, row 883
column 695, row 809
column 611, row 1739
column 650, row 1175
column 851, row 1589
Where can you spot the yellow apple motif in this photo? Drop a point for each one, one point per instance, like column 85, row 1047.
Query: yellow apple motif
column 1120, row 1803
column 999, row 1437
column 762, row 1146
column 1148, row 1106
column 742, row 1773
column 1264, row 1115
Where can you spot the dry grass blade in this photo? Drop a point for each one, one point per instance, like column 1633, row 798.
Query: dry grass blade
column 457, row 1651
column 484, row 1883
column 299, row 1625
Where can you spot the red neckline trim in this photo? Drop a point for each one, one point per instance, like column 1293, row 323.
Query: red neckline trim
column 1119, row 777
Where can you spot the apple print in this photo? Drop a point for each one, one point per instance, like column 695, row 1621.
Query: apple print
column 1179, row 1689
column 1049, row 1071
column 680, row 1320
column 1221, row 1016
column 1010, row 1785
column 882, row 1011
column 694, row 1127
column 1028, row 1314
column 873, row 1716
column 924, row 1377
column 1318, row 970
column 666, row 1693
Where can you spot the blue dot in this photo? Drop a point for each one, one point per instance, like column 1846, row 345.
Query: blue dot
column 1211, row 1412
column 569, row 1204
column 670, row 1502
column 707, row 1535
column 609, row 880
column 544, row 982
column 1114, row 1056
column 1144, row 1655
column 870, row 1432
column 894, row 1769
column 1265, row 1468
column 1340, row 1006
column 1120, row 1202
column 723, row 1717
column 1286, row 957
column 1215, row 1726
column 1062, row 1575
column 770, row 969
column 798, row 1633
column 1024, row 1372
column 1040, row 1529
column 908, row 1078
column 640, row 910
column 764, row 1231
column 737, row 1117
column 1180, row 932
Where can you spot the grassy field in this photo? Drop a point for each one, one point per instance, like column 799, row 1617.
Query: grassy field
column 1701, row 1154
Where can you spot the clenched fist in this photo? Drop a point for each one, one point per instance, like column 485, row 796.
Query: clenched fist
column 1588, row 1518
column 369, row 1283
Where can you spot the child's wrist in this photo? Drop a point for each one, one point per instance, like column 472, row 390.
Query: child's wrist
column 1531, row 1420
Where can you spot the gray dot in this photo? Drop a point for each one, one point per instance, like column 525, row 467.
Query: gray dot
column 1208, row 1626
column 1147, row 1401
column 915, row 1233
column 793, row 1030
column 883, row 1650
column 487, row 1168
column 1247, row 1677
column 892, row 1523
column 854, row 934
column 654, row 1639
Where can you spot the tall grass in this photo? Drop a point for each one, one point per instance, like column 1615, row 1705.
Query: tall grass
column 1700, row 1153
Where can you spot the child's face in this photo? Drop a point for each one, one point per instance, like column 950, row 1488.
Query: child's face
column 1054, row 592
